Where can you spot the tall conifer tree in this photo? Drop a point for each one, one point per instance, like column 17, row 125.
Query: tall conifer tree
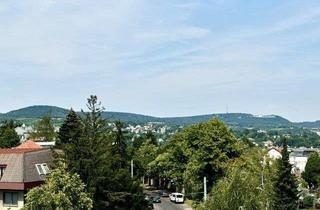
column 96, row 151
column 311, row 173
column 8, row 135
column 70, row 130
column 286, row 193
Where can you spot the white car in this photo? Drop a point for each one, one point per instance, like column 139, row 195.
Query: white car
column 177, row 197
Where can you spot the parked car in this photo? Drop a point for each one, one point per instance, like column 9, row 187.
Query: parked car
column 163, row 193
column 177, row 197
column 156, row 199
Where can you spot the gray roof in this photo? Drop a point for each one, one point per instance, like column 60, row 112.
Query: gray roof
column 20, row 164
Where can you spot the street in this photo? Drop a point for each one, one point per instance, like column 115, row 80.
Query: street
column 167, row 205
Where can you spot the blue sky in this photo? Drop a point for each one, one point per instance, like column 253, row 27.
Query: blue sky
column 163, row 58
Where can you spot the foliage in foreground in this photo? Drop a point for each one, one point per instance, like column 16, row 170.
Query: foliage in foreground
column 247, row 184
column 61, row 191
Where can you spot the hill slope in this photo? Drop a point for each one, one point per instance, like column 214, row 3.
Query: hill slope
column 233, row 119
column 315, row 124
column 36, row 112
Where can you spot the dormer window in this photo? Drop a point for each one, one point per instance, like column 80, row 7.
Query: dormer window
column 2, row 169
column 42, row 169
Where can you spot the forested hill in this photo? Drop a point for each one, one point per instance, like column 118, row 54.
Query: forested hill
column 315, row 124
column 36, row 112
column 234, row 119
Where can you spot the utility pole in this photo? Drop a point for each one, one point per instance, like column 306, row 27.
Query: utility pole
column 204, row 188
column 132, row 168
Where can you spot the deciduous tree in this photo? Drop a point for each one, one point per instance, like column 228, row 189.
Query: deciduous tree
column 247, row 184
column 43, row 130
column 61, row 191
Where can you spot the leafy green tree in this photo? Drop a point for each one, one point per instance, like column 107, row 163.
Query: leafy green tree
column 199, row 150
column 43, row 130
column 209, row 147
column 138, row 141
column 8, row 136
column 152, row 138
column 144, row 156
column 285, row 185
column 70, row 130
column 247, row 184
column 61, row 191
column 312, row 171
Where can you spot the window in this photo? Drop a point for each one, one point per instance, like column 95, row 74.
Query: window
column 10, row 198
column 45, row 168
column 42, row 169
column 2, row 169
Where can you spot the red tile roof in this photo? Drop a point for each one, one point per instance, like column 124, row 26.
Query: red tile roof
column 29, row 144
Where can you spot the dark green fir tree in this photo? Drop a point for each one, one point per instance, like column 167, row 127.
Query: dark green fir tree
column 70, row 130
column 119, row 147
column 312, row 171
column 285, row 185
column 8, row 135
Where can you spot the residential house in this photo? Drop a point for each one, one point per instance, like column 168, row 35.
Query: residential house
column 21, row 169
column 23, row 132
column 274, row 152
column 298, row 157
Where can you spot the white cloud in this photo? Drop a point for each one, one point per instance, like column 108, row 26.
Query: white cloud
column 171, row 47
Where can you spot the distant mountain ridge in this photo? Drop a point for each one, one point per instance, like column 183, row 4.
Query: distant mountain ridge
column 233, row 119
column 36, row 111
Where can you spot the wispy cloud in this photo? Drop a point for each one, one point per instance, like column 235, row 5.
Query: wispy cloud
column 163, row 52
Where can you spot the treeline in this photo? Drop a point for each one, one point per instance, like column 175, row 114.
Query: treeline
column 296, row 137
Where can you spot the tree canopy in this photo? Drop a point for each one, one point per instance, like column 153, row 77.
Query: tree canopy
column 312, row 171
column 43, row 130
column 247, row 184
column 199, row 150
column 61, row 191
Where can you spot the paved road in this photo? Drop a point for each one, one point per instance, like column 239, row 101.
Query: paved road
column 167, row 205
